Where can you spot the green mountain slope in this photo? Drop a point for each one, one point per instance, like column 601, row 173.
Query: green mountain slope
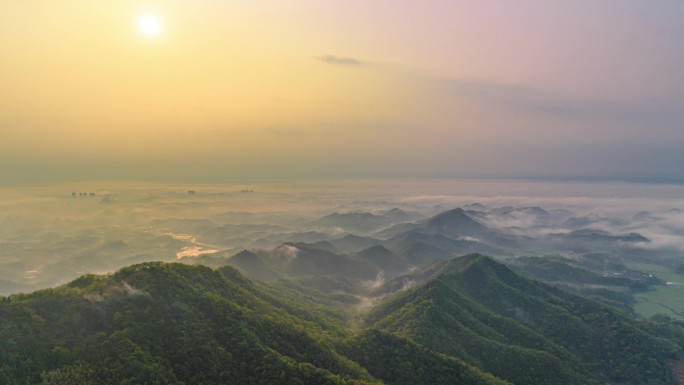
column 469, row 321
column 402, row 362
column 158, row 323
column 522, row 330
column 165, row 324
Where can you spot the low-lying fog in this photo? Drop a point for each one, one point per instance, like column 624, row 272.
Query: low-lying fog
column 52, row 234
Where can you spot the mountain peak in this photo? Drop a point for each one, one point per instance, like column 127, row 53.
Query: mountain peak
column 456, row 223
column 244, row 254
column 448, row 216
column 375, row 250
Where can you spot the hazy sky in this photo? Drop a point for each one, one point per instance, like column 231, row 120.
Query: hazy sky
column 357, row 88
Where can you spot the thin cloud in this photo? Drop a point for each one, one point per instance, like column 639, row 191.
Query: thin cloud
column 538, row 100
column 340, row 60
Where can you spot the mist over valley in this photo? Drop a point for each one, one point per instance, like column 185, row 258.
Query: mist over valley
column 351, row 229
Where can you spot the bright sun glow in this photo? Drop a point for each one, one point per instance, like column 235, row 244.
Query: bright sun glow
column 150, row 25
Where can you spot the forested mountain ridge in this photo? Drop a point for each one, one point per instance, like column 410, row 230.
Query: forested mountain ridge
column 164, row 324
column 522, row 330
column 158, row 323
column 471, row 321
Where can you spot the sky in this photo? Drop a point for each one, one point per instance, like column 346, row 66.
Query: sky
column 248, row 90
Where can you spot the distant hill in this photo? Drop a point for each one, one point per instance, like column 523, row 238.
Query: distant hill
column 388, row 262
column 455, row 224
column 599, row 236
column 504, row 231
column 440, row 246
column 352, row 243
column 592, row 271
column 356, row 222
column 445, row 235
column 593, row 240
column 527, row 217
column 319, row 258
column 398, row 215
column 253, row 265
column 308, row 236
column 301, row 259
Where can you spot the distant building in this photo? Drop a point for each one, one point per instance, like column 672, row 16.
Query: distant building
column 92, row 194
column 191, row 192
column 73, row 194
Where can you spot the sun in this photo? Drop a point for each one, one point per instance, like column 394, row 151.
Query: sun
column 150, row 25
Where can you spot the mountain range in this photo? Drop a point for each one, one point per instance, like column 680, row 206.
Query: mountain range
column 395, row 302
column 469, row 320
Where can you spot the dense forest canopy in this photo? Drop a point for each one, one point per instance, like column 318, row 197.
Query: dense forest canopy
column 472, row 320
